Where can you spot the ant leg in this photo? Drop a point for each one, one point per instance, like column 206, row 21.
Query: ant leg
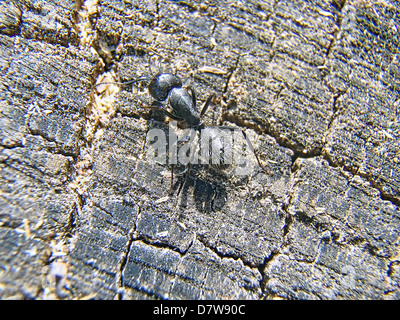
column 172, row 180
column 187, row 174
column 158, row 106
column 193, row 94
column 171, row 188
column 254, row 151
column 206, row 105
column 155, row 105
column 171, row 115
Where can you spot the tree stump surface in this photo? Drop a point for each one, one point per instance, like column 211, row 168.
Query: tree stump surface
column 85, row 213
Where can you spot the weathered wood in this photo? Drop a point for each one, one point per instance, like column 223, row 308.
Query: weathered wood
column 42, row 100
column 85, row 212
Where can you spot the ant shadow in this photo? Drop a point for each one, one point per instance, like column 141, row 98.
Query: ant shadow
column 205, row 183
column 208, row 196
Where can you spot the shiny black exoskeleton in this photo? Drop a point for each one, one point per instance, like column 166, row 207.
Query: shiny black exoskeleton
column 168, row 86
column 161, row 85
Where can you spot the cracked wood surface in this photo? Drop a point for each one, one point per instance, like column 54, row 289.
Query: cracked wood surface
column 84, row 212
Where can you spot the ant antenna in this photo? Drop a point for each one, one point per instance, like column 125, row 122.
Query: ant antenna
column 141, row 78
column 122, row 83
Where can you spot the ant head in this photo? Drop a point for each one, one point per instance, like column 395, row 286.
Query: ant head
column 161, row 85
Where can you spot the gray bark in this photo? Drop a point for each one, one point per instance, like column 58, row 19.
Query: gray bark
column 85, row 213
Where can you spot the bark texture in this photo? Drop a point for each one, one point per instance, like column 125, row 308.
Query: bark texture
column 84, row 213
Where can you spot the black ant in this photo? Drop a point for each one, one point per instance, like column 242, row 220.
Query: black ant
column 168, row 87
